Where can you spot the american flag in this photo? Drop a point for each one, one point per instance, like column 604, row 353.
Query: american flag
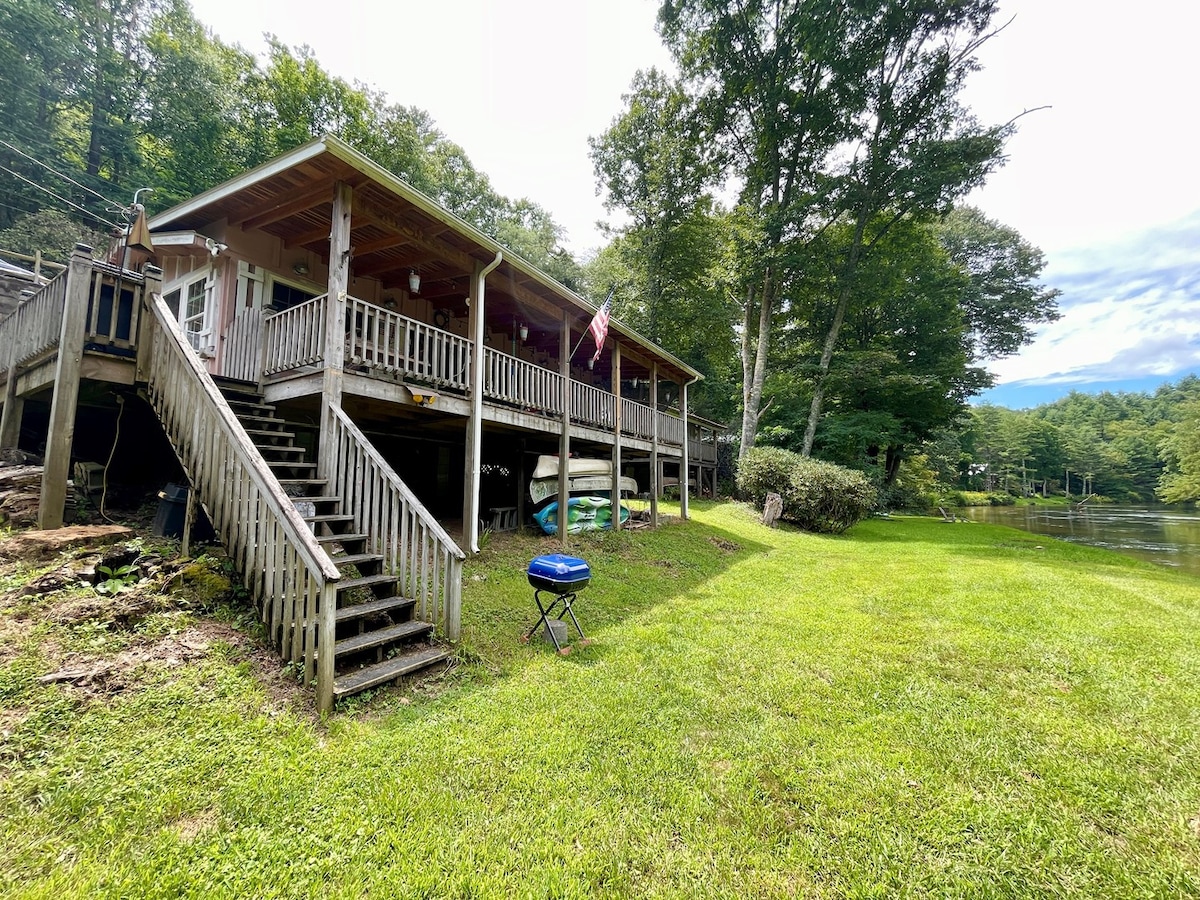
column 599, row 326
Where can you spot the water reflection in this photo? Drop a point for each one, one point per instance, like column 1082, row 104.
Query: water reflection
column 1167, row 536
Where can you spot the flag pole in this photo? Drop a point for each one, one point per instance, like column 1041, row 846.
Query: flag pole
column 611, row 291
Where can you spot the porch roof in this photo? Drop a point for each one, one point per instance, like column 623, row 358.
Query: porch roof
column 395, row 229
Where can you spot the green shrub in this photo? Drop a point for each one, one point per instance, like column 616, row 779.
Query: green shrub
column 817, row 496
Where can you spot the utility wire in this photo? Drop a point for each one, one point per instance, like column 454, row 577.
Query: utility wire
column 83, row 210
column 59, row 174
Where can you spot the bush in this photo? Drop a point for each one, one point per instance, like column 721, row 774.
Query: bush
column 817, row 496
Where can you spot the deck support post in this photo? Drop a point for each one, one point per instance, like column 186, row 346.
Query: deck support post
column 655, row 480
column 475, row 323
column 564, row 435
column 684, row 466
column 615, row 493
column 522, row 485
column 66, row 390
column 14, row 408
column 335, row 325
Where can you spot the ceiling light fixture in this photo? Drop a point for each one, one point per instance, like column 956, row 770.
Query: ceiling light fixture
column 414, row 281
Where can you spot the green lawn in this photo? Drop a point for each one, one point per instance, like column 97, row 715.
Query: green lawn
column 911, row 709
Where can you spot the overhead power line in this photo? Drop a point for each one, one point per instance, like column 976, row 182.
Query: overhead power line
column 61, row 199
column 48, row 168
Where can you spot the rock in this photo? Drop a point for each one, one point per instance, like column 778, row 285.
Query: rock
column 41, row 544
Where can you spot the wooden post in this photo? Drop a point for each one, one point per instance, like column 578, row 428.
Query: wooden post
column 654, row 474
column 564, row 436
column 683, row 465
column 66, row 390
column 189, row 519
column 615, row 493
column 521, row 487
column 335, row 324
column 144, row 346
column 14, row 406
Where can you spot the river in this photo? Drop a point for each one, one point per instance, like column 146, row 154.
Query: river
column 1164, row 535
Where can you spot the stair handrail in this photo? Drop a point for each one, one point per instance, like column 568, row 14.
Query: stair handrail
column 385, row 509
column 288, row 573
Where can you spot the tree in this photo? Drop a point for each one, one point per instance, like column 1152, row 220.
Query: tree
column 773, row 80
column 913, row 149
column 667, row 265
column 1180, row 482
column 1004, row 299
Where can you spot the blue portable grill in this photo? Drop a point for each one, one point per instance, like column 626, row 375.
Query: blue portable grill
column 563, row 577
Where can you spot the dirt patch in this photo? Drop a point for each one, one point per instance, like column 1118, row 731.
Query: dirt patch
column 35, row 545
column 727, row 546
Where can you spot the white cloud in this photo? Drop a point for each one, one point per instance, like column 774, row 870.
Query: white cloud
column 1130, row 310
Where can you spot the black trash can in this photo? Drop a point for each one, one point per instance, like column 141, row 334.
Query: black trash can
column 172, row 508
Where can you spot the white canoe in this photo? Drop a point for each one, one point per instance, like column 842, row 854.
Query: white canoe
column 547, row 467
column 544, row 488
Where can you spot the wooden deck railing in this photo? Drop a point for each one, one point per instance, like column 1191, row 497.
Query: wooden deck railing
column 521, row 383
column 289, row 576
column 591, row 406
column 670, row 429
column 243, row 345
column 415, row 548
column 385, row 340
column 637, row 419
column 35, row 326
column 294, row 337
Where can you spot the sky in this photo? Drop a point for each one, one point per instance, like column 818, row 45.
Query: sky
column 1100, row 174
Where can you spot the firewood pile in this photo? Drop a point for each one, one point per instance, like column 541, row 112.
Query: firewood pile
column 21, row 489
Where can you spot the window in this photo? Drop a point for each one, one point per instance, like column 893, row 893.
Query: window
column 191, row 302
column 285, row 295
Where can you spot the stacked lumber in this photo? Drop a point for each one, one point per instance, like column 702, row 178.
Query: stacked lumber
column 21, row 492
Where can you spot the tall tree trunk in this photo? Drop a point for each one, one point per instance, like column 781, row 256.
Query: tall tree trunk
column 845, row 283
column 754, row 361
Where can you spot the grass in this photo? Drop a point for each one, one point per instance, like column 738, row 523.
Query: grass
column 910, row 709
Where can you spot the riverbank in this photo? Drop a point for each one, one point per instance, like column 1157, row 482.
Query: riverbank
column 913, row 708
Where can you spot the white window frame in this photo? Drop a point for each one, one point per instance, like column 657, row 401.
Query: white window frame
column 201, row 336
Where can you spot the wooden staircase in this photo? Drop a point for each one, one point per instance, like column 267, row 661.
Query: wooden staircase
column 379, row 639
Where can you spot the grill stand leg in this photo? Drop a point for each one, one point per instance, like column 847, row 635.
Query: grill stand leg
column 547, row 611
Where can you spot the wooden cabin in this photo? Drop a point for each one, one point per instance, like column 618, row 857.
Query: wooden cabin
column 348, row 374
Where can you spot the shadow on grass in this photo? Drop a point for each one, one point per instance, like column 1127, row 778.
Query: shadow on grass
column 633, row 571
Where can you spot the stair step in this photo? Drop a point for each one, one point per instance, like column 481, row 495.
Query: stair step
column 260, row 420
column 390, row 669
column 303, row 482
column 365, row 581
column 291, row 464
column 277, row 448
column 340, row 538
column 374, row 607
column 257, row 432
column 328, row 518
column 319, row 499
column 356, row 559
column 380, row 636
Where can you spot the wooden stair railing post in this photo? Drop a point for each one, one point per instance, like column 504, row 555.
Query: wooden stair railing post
column 325, row 658
column 143, row 340
column 66, row 391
